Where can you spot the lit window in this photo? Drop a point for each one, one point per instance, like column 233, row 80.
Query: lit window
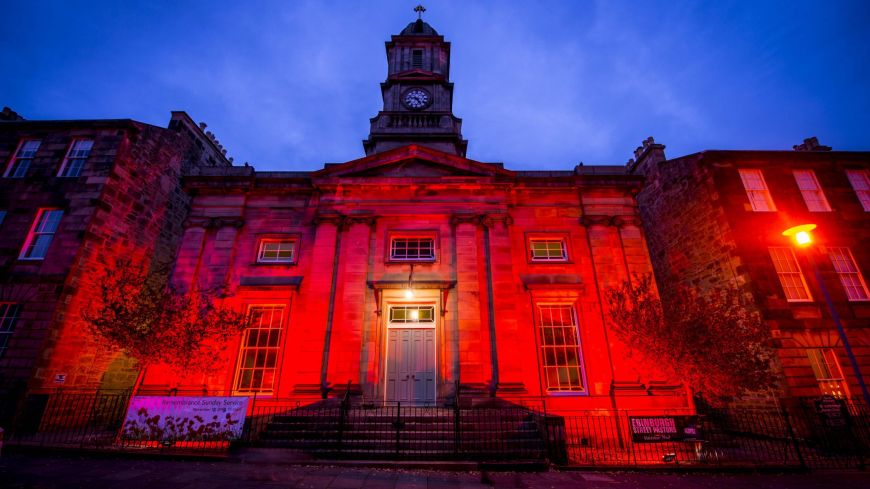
column 41, row 234
column 756, row 190
column 812, row 191
column 412, row 314
column 790, row 276
column 861, row 183
column 258, row 355
column 20, row 162
column 827, row 371
column 417, row 58
column 8, row 317
column 547, row 250
column 277, row 251
column 850, row 276
column 411, row 249
column 75, row 158
column 560, row 348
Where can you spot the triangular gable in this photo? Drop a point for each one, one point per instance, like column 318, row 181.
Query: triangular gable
column 412, row 161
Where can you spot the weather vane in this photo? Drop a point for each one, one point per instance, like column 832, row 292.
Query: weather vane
column 419, row 9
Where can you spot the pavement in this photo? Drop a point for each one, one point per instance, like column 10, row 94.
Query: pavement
column 51, row 471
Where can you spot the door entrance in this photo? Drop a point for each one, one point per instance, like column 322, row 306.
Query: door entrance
column 410, row 372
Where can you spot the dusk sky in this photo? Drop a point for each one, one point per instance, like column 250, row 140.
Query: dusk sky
column 539, row 84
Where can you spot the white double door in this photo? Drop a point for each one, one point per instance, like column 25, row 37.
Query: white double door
column 410, row 375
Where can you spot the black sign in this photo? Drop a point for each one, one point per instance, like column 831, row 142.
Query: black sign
column 652, row 429
column 832, row 411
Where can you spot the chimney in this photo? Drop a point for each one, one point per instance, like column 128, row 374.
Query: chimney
column 646, row 156
column 811, row 144
column 10, row 115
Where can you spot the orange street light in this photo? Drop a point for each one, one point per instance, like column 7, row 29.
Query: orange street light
column 803, row 239
column 801, row 234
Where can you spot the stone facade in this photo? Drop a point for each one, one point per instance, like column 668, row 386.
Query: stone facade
column 703, row 232
column 337, row 294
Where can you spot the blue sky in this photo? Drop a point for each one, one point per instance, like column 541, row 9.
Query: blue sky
column 289, row 85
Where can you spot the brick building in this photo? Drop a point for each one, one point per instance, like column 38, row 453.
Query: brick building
column 715, row 219
column 73, row 195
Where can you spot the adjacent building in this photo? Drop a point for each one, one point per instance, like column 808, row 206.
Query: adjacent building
column 715, row 219
column 74, row 197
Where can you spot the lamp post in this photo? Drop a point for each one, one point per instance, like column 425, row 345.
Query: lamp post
column 802, row 237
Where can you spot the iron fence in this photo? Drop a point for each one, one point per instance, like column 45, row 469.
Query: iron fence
column 803, row 433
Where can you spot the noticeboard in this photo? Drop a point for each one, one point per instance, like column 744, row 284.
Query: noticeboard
column 833, row 412
column 652, row 429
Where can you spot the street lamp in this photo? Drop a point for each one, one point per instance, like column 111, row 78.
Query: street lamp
column 803, row 239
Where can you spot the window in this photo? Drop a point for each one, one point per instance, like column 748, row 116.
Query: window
column 790, row 276
column 412, row 249
column 258, row 355
column 20, row 162
column 756, row 190
column 277, row 251
column 850, row 276
column 547, row 249
column 2, row 217
column 417, row 58
column 75, row 158
column 8, row 317
column 827, row 370
column 861, row 183
column 412, row 314
column 812, row 192
column 560, row 348
column 41, row 234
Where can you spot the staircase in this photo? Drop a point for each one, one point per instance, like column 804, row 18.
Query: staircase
column 409, row 433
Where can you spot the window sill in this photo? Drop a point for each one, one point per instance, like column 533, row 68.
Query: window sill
column 273, row 263
column 567, row 394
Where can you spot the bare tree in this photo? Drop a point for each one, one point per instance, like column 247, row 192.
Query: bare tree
column 136, row 311
column 716, row 342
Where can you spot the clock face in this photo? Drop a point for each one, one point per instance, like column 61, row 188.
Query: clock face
column 416, row 98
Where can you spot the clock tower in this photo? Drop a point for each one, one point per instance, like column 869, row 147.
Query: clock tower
column 418, row 95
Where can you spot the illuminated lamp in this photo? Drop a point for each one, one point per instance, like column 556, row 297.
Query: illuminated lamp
column 801, row 234
column 415, row 314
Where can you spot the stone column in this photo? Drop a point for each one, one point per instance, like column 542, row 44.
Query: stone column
column 348, row 324
column 504, row 304
column 190, row 252
column 314, row 335
column 475, row 369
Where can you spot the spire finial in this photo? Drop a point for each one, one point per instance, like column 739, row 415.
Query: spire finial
column 419, row 9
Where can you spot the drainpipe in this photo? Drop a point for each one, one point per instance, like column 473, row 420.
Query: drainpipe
column 493, row 351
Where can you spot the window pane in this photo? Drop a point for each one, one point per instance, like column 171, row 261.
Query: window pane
column 412, row 249
column 547, row 249
column 277, row 251
column 860, row 181
column 43, row 229
column 756, row 190
column 790, row 277
column 848, row 273
column 8, row 318
column 560, row 348
column 258, row 358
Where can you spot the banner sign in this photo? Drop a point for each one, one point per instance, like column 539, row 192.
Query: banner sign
column 652, row 429
column 185, row 418
column 833, row 412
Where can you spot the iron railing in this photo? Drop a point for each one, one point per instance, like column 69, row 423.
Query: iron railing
column 799, row 434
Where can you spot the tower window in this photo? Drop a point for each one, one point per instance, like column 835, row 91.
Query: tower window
column 417, row 58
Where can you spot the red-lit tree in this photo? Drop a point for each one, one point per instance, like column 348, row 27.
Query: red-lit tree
column 136, row 311
column 714, row 342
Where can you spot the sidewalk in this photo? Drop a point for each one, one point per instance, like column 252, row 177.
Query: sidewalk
column 34, row 471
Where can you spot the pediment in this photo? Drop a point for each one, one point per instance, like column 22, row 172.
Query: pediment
column 412, row 161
